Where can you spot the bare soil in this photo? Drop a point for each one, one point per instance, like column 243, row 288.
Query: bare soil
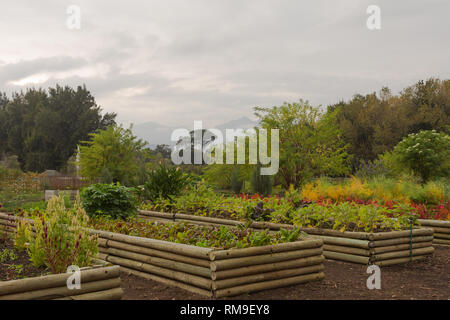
column 18, row 267
column 428, row 279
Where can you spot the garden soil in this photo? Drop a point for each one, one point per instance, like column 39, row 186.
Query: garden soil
column 427, row 279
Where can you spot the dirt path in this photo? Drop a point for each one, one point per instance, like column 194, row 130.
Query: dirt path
column 428, row 279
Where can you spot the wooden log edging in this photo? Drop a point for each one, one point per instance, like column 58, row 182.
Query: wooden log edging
column 96, row 283
column 355, row 247
column 215, row 272
column 197, row 269
column 441, row 230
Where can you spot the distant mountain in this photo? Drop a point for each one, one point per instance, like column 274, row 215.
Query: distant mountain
column 241, row 123
column 155, row 133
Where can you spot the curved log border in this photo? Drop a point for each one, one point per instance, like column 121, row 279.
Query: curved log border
column 211, row 272
column 97, row 283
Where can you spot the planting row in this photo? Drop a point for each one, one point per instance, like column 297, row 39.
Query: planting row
column 213, row 272
column 202, row 200
column 382, row 248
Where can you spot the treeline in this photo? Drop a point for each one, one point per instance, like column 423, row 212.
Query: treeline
column 375, row 123
column 43, row 127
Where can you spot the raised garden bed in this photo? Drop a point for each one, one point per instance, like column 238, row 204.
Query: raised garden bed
column 210, row 272
column 441, row 230
column 213, row 272
column 383, row 248
column 97, row 281
column 102, row 283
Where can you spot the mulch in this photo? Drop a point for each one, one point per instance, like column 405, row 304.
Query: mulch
column 428, row 279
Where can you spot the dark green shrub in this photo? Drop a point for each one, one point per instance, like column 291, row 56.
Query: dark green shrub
column 165, row 183
column 426, row 153
column 111, row 200
column 236, row 182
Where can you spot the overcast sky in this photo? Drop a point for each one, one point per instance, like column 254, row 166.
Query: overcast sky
column 174, row 62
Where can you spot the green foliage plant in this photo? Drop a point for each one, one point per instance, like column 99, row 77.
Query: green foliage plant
column 61, row 237
column 116, row 150
column 426, row 153
column 113, row 200
column 165, row 182
column 310, row 142
column 261, row 184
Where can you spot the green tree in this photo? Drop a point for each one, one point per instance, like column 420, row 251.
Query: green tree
column 116, row 150
column 426, row 153
column 43, row 127
column 310, row 142
column 164, row 150
column 375, row 123
column 261, row 184
column 236, row 181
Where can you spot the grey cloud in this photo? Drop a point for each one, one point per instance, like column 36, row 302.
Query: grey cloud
column 25, row 68
column 215, row 60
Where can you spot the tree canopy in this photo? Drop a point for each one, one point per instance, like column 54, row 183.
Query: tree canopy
column 310, row 141
column 43, row 127
column 375, row 123
column 115, row 152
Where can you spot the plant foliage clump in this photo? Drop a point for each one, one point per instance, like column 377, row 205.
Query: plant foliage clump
column 61, row 237
column 261, row 184
column 426, row 153
column 165, row 182
column 111, row 200
column 202, row 236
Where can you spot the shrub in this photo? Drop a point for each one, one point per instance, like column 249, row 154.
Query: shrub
column 261, row 184
column 111, row 200
column 426, row 153
column 115, row 149
column 383, row 190
column 370, row 169
column 165, row 183
column 236, row 182
column 61, row 237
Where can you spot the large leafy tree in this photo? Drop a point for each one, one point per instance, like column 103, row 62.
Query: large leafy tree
column 115, row 152
column 43, row 128
column 426, row 153
column 310, row 142
column 375, row 123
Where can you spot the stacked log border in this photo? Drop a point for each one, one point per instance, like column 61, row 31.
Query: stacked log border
column 97, row 282
column 7, row 224
column 441, row 230
column 383, row 248
column 102, row 283
column 211, row 272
